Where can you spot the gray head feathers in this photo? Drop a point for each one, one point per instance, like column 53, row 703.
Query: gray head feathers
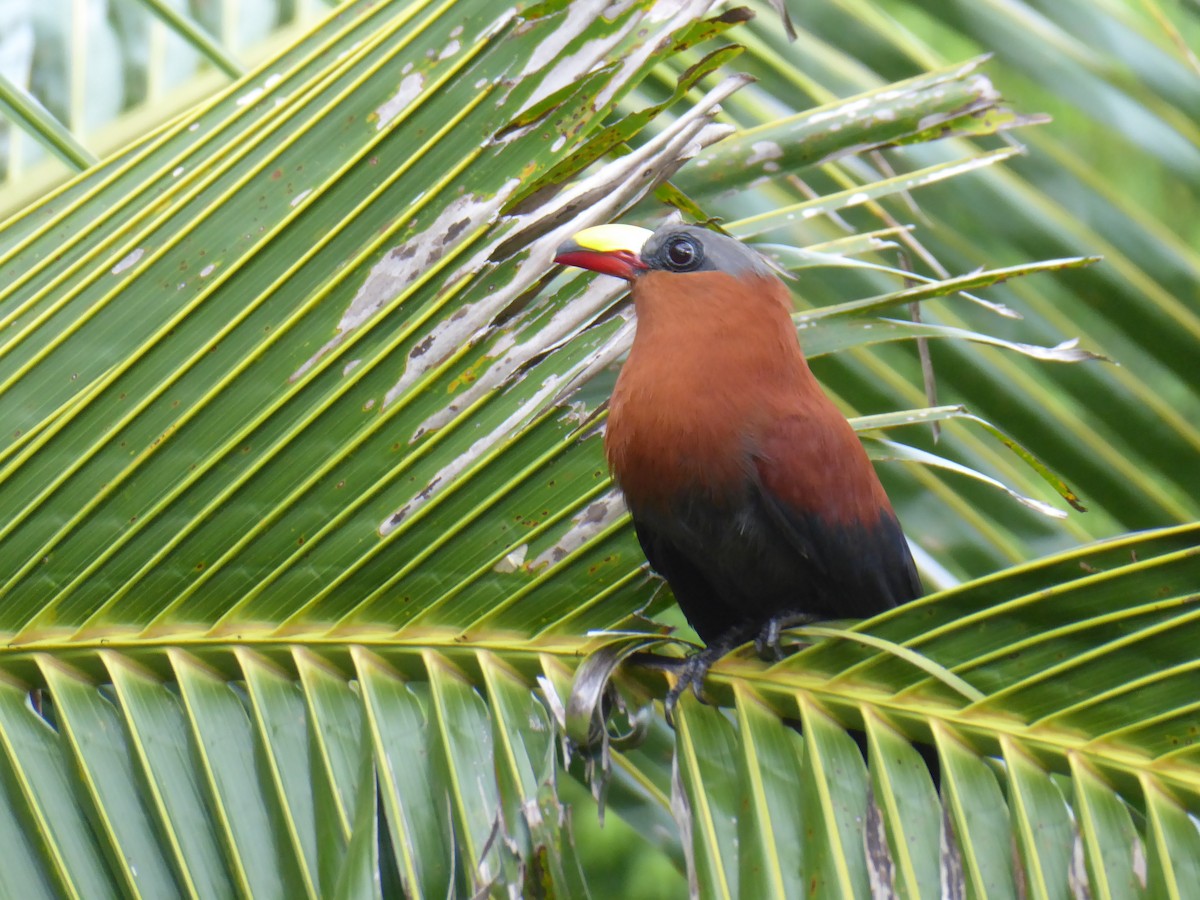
column 690, row 248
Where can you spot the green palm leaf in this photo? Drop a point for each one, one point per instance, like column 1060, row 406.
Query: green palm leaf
column 308, row 530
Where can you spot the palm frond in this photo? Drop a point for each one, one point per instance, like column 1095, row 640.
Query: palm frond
column 311, row 568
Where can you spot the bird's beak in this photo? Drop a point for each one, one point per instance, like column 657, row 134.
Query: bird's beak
column 610, row 249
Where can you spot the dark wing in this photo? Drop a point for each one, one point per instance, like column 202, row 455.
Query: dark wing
column 822, row 496
column 731, row 572
column 864, row 569
column 695, row 593
column 808, row 532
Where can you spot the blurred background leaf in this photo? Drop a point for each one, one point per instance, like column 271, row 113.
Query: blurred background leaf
column 306, row 522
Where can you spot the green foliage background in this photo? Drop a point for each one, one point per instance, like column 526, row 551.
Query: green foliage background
column 303, row 542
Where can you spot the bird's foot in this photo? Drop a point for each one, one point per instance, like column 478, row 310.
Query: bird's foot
column 768, row 641
column 695, row 668
column 692, row 675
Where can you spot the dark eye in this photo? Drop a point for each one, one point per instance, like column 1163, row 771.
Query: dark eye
column 682, row 254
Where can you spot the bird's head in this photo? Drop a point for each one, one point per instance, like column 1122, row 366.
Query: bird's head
column 627, row 251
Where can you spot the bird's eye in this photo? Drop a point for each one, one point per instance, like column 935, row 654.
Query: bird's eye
column 682, row 254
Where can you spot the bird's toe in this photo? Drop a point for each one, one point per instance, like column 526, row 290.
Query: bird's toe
column 766, row 642
column 692, row 675
column 769, row 641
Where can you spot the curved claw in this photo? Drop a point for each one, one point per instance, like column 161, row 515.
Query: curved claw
column 768, row 641
column 695, row 668
column 692, row 675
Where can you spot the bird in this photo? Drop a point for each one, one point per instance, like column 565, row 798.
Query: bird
column 749, row 491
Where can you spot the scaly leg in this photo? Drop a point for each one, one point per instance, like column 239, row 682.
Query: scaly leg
column 767, row 642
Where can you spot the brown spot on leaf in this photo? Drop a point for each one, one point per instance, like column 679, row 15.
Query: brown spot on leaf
column 455, row 230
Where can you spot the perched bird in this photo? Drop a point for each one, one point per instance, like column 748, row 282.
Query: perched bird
column 749, row 491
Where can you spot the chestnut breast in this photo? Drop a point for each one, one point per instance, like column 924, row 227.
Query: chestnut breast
column 716, row 395
column 713, row 361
